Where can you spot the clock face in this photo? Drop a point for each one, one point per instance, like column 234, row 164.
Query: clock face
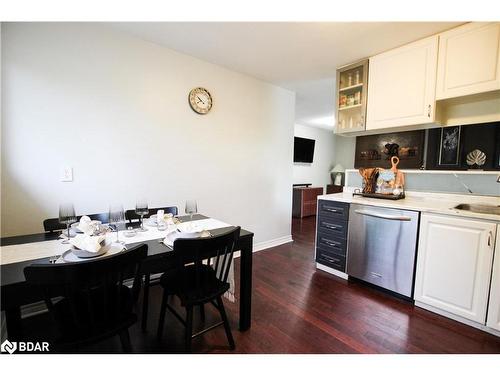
column 200, row 100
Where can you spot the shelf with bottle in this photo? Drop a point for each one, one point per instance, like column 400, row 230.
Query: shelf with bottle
column 350, row 121
column 351, row 79
column 350, row 100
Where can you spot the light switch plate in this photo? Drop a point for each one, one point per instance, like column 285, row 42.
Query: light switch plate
column 66, row 174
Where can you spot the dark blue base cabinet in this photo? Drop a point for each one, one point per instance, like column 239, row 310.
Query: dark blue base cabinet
column 331, row 234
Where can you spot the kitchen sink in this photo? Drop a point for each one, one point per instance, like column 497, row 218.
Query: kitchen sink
column 479, row 208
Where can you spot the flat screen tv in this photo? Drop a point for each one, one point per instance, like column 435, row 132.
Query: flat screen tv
column 303, row 150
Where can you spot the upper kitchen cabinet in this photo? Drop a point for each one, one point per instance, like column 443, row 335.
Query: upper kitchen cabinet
column 352, row 81
column 469, row 60
column 402, row 86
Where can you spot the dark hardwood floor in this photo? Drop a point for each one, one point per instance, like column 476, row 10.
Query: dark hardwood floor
column 297, row 309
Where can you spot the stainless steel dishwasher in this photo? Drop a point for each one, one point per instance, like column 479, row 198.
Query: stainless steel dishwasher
column 382, row 245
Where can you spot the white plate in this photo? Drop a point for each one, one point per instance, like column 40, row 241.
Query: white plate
column 69, row 257
column 172, row 236
column 190, row 229
column 150, row 222
column 80, row 253
column 129, row 233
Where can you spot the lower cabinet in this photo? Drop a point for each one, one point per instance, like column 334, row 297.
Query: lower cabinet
column 331, row 235
column 454, row 266
column 494, row 305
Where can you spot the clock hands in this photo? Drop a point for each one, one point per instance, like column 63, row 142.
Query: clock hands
column 199, row 100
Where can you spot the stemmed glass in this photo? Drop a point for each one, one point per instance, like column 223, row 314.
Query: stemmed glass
column 141, row 208
column 117, row 218
column 191, row 208
column 67, row 216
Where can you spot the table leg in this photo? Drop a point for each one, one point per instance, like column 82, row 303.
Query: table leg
column 13, row 320
column 246, row 248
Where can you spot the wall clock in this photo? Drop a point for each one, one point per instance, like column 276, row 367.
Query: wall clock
column 200, row 100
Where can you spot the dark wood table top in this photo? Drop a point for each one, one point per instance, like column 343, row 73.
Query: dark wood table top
column 13, row 273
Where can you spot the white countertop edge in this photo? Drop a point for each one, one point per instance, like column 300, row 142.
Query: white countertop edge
column 439, row 203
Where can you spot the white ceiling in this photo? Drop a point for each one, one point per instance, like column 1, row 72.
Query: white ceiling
column 295, row 55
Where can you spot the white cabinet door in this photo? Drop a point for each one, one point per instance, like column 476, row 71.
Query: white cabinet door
column 402, row 85
column 469, row 60
column 494, row 304
column 454, row 265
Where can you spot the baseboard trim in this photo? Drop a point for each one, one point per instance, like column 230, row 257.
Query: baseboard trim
column 332, row 271
column 272, row 243
column 460, row 319
column 268, row 244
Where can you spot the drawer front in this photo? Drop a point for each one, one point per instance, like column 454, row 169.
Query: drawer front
column 331, row 260
column 333, row 244
column 332, row 226
column 338, row 210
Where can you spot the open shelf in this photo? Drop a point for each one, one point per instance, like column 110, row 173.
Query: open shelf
column 350, row 107
column 351, row 87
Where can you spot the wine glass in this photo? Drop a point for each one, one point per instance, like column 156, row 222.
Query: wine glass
column 191, row 208
column 141, row 208
column 67, row 216
column 117, row 218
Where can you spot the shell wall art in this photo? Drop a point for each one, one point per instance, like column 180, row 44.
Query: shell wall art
column 476, row 158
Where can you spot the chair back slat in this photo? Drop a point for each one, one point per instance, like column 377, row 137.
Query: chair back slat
column 131, row 216
column 53, row 224
column 88, row 289
column 226, row 273
column 194, row 251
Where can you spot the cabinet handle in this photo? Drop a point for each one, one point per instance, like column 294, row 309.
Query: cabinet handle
column 489, row 238
column 330, row 209
column 334, row 260
column 429, row 111
column 330, row 226
column 330, row 243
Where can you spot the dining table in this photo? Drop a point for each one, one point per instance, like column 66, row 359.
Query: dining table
column 16, row 292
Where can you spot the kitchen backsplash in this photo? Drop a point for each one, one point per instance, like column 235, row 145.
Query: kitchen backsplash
column 479, row 183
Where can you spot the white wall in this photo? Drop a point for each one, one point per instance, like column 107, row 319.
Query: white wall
column 345, row 148
column 317, row 172
column 115, row 109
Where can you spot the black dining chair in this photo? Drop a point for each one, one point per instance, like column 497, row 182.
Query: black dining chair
column 196, row 283
column 53, row 224
column 87, row 300
column 131, row 216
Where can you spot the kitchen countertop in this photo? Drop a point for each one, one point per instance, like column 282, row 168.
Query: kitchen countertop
column 437, row 203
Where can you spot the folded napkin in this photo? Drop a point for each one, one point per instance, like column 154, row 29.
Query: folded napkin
column 87, row 226
column 88, row 243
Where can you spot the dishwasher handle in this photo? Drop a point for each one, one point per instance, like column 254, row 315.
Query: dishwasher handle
column 383, row 216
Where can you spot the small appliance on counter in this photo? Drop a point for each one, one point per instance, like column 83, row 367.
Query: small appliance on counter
column 383, row 183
